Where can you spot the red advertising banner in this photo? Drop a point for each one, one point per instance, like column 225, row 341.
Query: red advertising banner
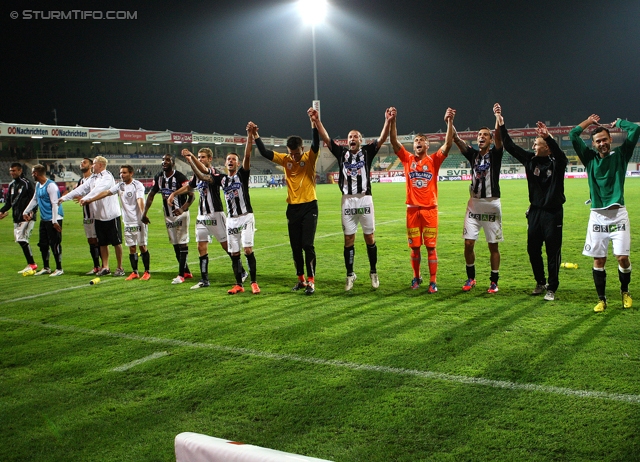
column 181, row 137
column 133, row 135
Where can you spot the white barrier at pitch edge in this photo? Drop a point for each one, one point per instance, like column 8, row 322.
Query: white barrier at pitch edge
column 195, row 447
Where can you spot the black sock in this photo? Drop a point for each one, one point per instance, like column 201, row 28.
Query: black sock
column 625, row 280
column 349, row 254
column 133, row 258
column 94, row 250
column 241, row 267
column 236, row 265
column 251, row 263
column 204, row 267
column 145, row 260
column 600, row 280
column 471, row 272
column 372, row 253
column 182, row 262
column 494, row 276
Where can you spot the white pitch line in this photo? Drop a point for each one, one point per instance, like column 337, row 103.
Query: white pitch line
column 137, row 362
column 628, row 398
column 44, row 294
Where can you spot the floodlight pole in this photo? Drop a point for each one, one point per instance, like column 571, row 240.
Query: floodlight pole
column 315, row 65
column 316, row 102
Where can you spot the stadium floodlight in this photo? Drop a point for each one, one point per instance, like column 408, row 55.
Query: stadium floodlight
column 312, row 11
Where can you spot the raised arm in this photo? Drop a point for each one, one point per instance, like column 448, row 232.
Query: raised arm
column 264, row 152
column 315, row 136
column 556, row 153
column 512, row 148
column 322, row 132
column 385, row 128
column 448, row 139
column 199, row 165
column 582, row 151
column 246, row 161
column 393, row 131
column 462, row 146
column 593, row 119
column 497, row 139
column 633, row 133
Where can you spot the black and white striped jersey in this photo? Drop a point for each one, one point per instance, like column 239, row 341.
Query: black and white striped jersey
column 354, row 167
column 89, row 210
column 210, row 201
column 485, row 178
column 236, row 192
column 167, row 185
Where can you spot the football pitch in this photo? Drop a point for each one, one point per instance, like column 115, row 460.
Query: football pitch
column 115, row 371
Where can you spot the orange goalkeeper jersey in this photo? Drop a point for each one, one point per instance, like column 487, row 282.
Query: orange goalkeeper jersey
column 421, row 177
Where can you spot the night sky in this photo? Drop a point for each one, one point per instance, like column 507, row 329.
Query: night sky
column 210, row 66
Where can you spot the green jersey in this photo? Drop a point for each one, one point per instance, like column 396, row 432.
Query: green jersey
column 606, row 174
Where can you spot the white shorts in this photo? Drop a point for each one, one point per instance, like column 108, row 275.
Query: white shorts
column 89, row 228
column 135, row 234
column 240, row 232
column 22, row 231
column 214, row 224
column 604, row 226
column 178, row 228
column 357, row 208
column 485, row 214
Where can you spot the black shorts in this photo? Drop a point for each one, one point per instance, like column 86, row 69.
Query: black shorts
column 48, row 234
column 109, row 232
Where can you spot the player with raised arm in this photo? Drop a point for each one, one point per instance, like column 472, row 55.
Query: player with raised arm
column 176, row 213
column 608, row 220
column 545, row 168
column 484, row 210
column 302, row 203
column 354, row 163
column 240, row 218
column 211, row 220
column 421, row 174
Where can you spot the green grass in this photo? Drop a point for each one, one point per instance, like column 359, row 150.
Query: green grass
column 382, row 375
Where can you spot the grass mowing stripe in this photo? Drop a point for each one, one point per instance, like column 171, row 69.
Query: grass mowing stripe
column 634, row 399
column 44, row 294
column 151, row 357
column 161, row 269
